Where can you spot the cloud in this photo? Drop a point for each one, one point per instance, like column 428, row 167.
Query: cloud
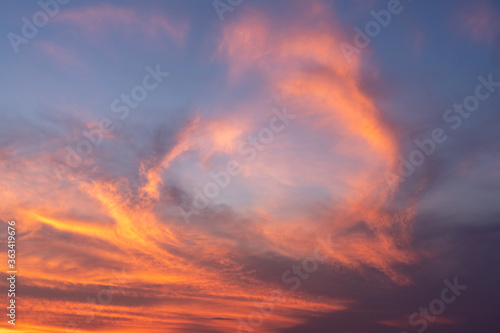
column 60, row 55
column 97, row 21
column 307, row 67
column 479, row 21
column 322, row 175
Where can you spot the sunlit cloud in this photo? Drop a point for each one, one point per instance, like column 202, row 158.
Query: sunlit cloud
column 269, row 92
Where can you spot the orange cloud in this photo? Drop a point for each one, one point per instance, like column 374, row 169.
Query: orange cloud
column 192, row 277
column 306, row 67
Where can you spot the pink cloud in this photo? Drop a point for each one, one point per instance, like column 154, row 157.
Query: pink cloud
column 61, row 55
column 96, row 20
column 418, row 41
column 479, row 21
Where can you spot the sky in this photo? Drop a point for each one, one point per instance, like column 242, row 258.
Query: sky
column 250, row 166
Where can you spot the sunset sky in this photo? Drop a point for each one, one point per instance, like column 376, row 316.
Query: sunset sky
column 287, row 166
